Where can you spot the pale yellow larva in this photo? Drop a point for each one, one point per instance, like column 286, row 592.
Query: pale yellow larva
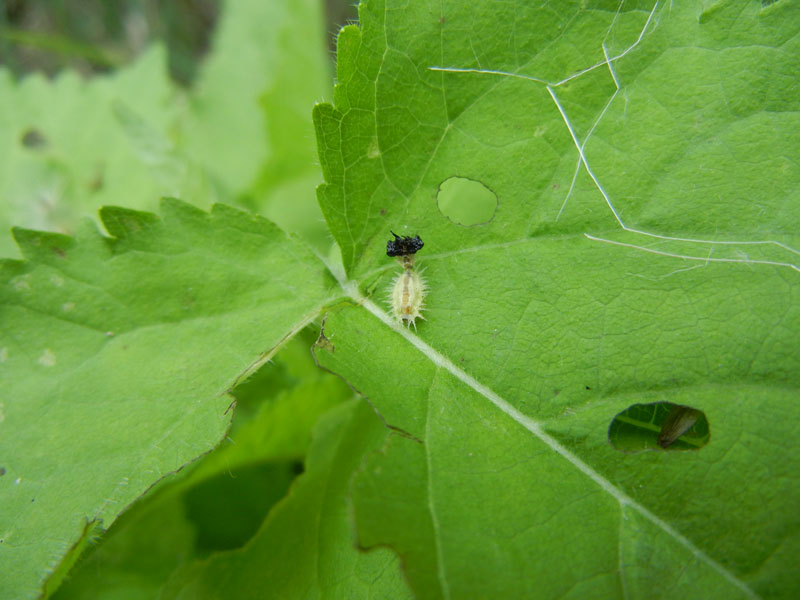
column 407, row 296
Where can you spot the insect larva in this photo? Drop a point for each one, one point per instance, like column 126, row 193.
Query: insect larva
column 408, row 296
column 408, row 290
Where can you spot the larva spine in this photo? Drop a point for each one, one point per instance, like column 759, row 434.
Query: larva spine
column 407, row 296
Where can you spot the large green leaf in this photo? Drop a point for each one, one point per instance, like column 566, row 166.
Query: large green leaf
column 643, row 249
column 116, row 358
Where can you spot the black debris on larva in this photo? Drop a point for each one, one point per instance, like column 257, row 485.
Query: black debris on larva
column 403, row 246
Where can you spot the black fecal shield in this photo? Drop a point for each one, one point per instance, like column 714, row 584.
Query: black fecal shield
column 403, row 246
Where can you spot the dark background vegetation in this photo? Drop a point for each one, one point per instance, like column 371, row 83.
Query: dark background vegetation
column 95, row 36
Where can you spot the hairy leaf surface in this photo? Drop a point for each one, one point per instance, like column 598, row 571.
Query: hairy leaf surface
column 644, row 249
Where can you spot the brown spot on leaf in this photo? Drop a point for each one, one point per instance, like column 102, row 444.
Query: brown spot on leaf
column 33, row 139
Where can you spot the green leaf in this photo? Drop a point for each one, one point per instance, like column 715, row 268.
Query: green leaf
column 117, row 355
column 243, row 134
column 305, row 547
column 276, row 409
column 137, row 554
column 68, row 146
column 219, row 501
column 644, row 249
column 248, row 121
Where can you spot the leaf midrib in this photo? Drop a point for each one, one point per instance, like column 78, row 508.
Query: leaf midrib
column 537, row 430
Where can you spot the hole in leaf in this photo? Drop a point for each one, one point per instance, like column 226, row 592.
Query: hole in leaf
column 465, row 201
column 33, row 139
column 659, row 426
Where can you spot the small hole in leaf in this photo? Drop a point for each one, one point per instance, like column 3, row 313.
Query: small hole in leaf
column 33, row 139
column 659, row 426
column 466, row 202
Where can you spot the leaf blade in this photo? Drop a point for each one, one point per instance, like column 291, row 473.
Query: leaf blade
column 95, row 411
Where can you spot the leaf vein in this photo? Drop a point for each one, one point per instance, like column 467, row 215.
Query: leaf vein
column 537, row 430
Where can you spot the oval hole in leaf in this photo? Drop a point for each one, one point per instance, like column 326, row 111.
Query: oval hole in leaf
column 466, row 202
column 659, row 426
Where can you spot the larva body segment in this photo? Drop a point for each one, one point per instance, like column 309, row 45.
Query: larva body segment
column 408, row 297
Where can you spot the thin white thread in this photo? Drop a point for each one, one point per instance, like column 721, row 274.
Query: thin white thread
column 581, row 154
column 656, row 235
column 569, row 191
column 545, row 81
column 580, row 146
column 705, row 259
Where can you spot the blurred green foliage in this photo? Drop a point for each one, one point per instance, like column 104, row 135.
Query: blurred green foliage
column 93, row 36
